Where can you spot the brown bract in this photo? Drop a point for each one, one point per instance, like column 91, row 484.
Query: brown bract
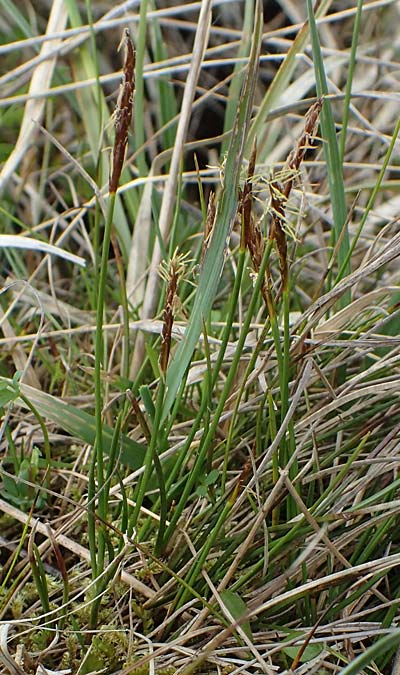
column 123, row 113
column 251, row 233
column 247, row 201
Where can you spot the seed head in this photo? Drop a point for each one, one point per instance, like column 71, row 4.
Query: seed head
column 123, row 112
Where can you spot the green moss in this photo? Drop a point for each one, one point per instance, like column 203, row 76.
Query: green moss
column 107, row 651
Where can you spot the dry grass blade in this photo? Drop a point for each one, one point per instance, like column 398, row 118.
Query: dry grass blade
column 21, row 361
column 168, row 201
column 8, row 661
column 320, row 306
column 70, row 545
column 40, row 81
column 224, row 219
column 29, row 244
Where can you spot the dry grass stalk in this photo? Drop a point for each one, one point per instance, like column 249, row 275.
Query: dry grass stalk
column 123, row 113
column 345, row 431
column 41, row 79
column 169, row 195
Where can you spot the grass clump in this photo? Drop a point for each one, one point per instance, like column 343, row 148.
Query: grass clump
column 200, row 319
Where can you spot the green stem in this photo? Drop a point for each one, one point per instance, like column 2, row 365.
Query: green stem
column 125, row 311
column 34, row 410
column 292, row 509
column 139, row 88
column 97, row 545
column 232, row 425
column 349, row 82
column 205, row 399
column 195, row 570
column 149, row 458
column 345, row 265
column 193, row 476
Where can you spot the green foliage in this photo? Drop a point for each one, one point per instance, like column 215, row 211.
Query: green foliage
column 235, row 605
column 20, row 490
column 310, row 652
column 107, row 650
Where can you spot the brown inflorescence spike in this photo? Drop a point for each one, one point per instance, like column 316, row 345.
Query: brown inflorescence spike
column 251, row 232
column 175, row 269
column 123, row 113
column 280, row 193
column 252, row 237
column 247, row 198
column 297, row 155
column 209, row 224
column 278, row 202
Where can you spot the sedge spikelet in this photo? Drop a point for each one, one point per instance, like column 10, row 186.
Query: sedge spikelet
column 171, row 274
column 280, row 193
column 123, row 113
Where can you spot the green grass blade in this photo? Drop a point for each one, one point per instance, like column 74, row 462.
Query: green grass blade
column 167, row 108
column 331, row 150
column 214, row 260
column 17, row 17
column 350, row 75
column 381, row 646
column 97, row 131
column 139, row 89
column 235, row 86
column 80, row 424
column 371, row 201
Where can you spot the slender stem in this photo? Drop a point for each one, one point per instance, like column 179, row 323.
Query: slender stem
column 206, row 397
column 124, row 306
column 285, row 378
column 222, row 399
column 249, row 369
column 96, row 473
column 194, row 572
column 139, row 94
column 344, row 266
column 350, row 75
column 34, row 410
column 148, row 462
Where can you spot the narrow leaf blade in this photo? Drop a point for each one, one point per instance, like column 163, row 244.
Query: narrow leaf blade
column 214, row 259
column 79, row 423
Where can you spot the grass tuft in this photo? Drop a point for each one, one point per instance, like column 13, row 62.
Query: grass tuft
column 199, row 320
